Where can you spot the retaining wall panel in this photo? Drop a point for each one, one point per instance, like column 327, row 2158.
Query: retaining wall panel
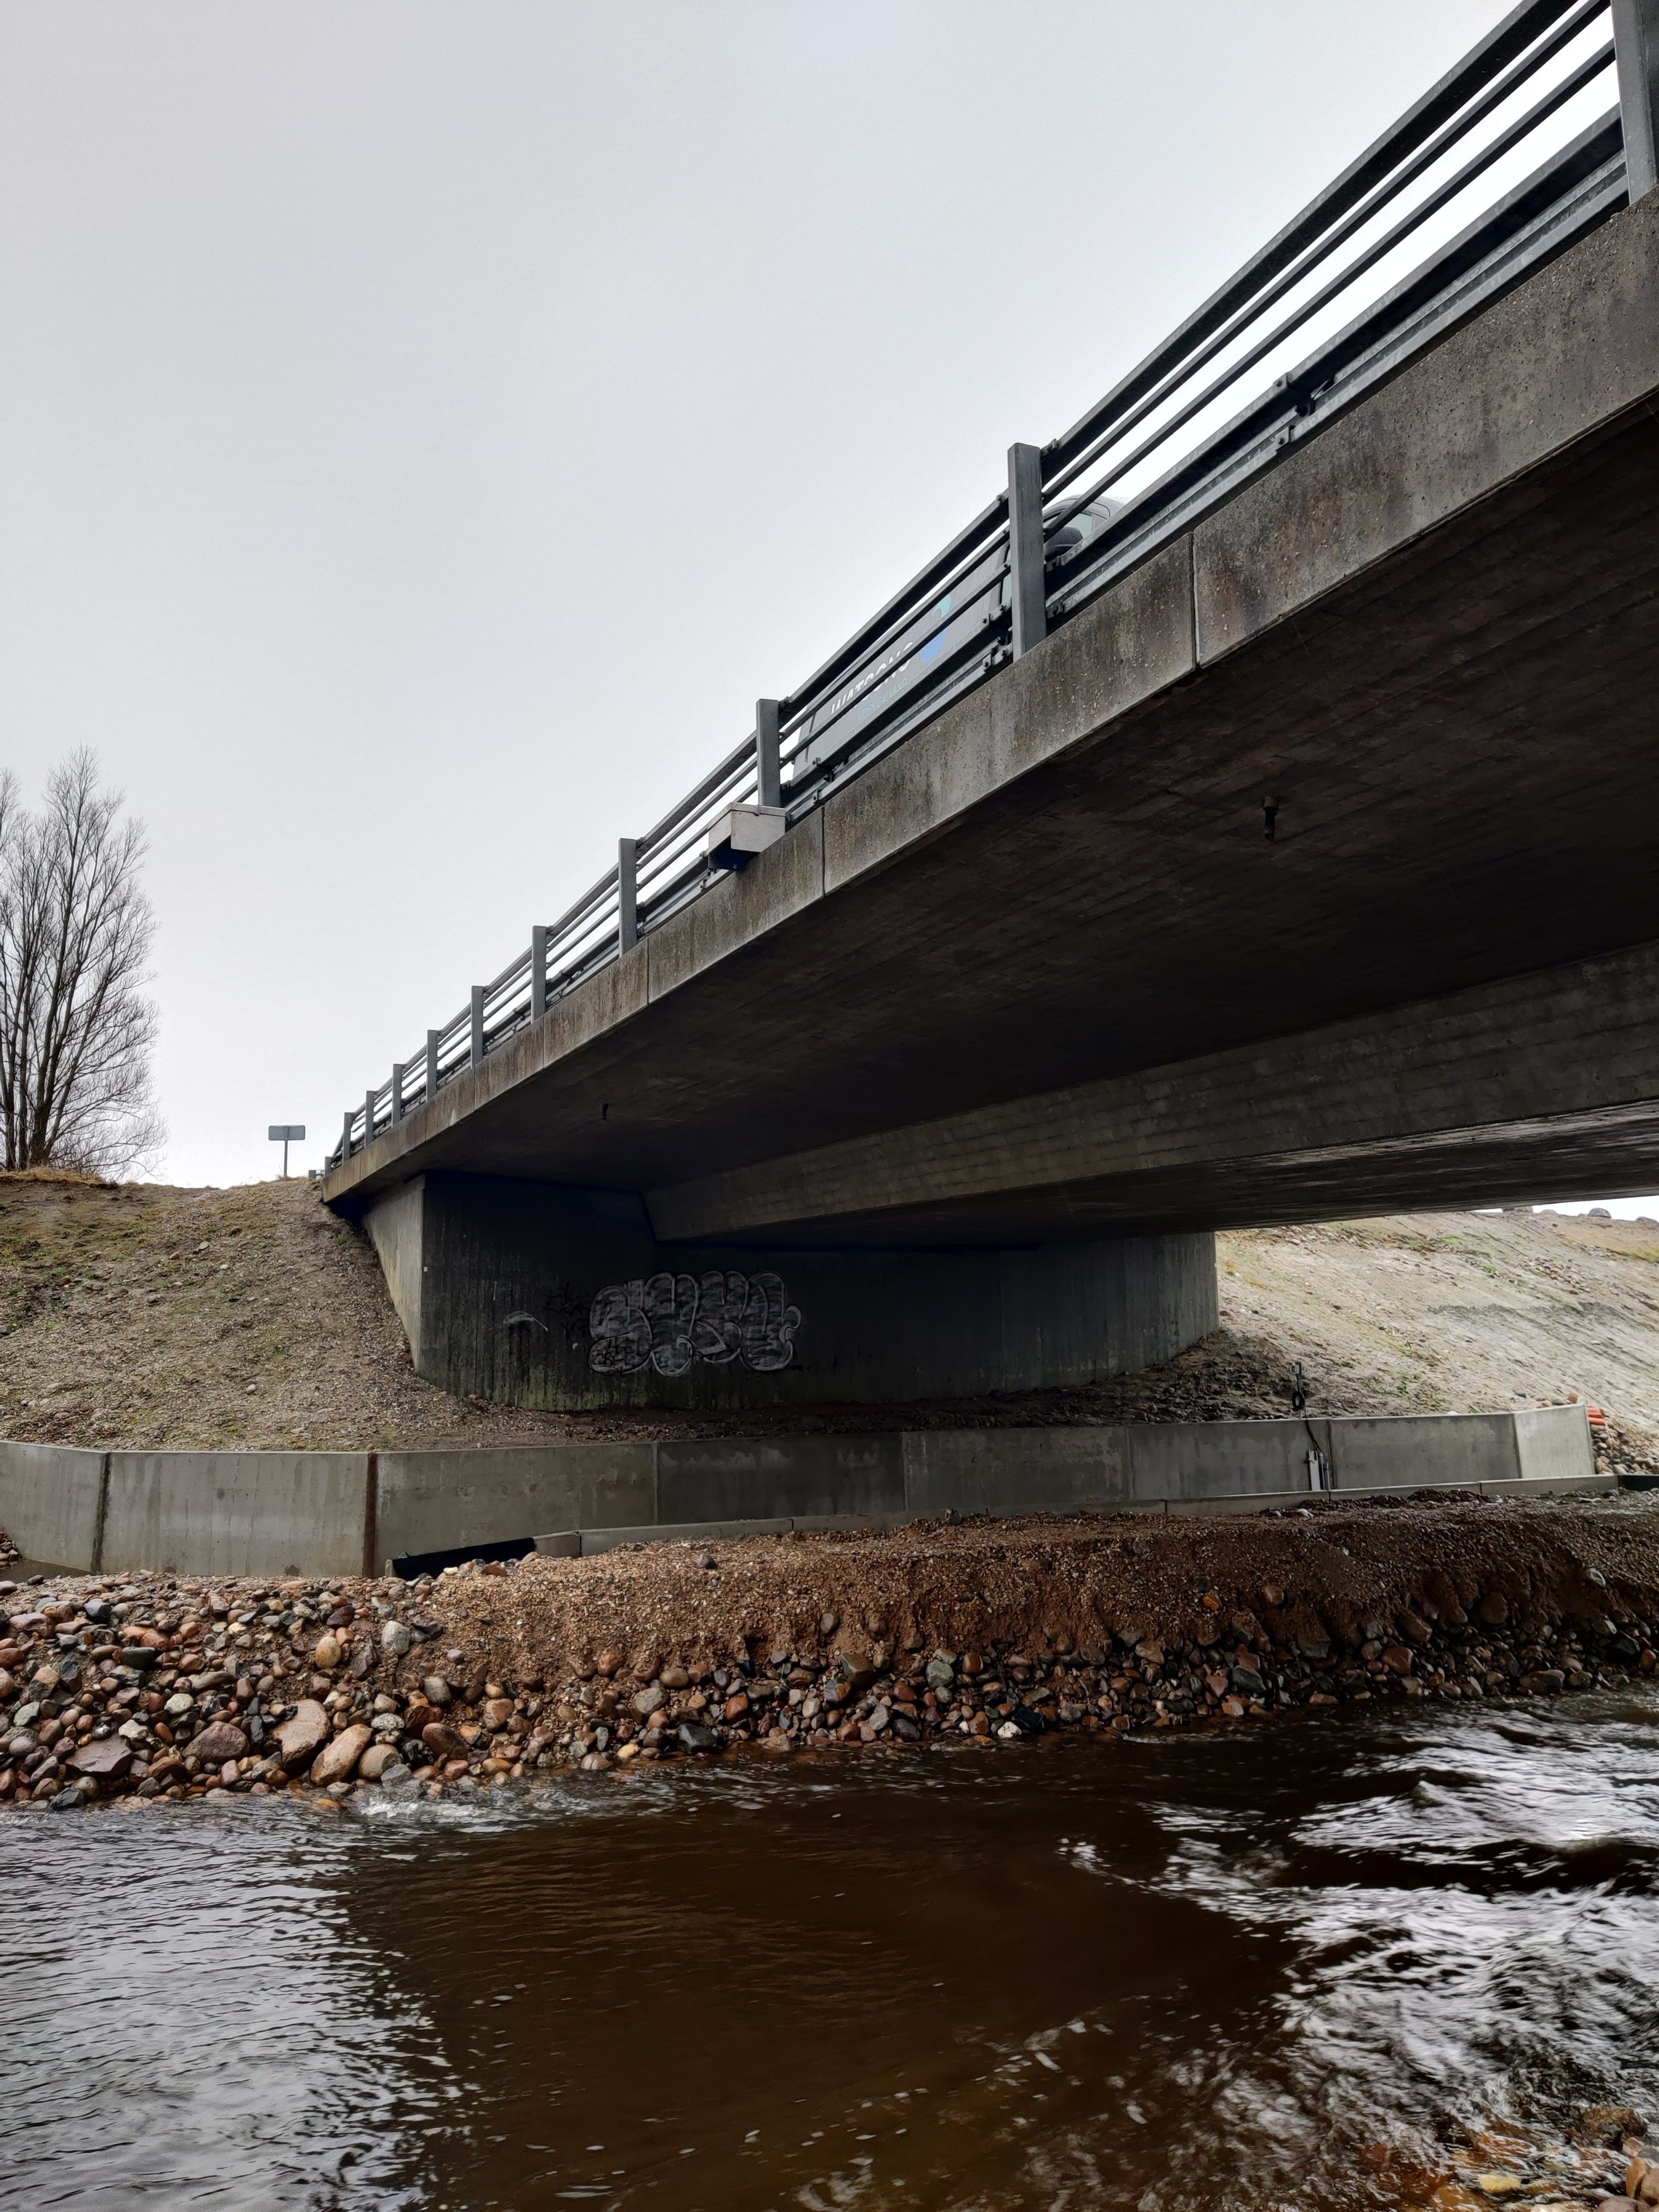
column 49, row 1497
column 1014, row 1470
column 433, row 1501
column 1400, row 1451
column 1553, row 1442
column 755, row 1478
column 237, row 1513
column 1222, row 1504
column 1214, row 1459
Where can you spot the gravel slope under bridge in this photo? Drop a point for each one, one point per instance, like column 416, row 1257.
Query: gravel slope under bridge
column 143, row 1314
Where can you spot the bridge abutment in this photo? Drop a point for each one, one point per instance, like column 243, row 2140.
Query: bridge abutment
column 537, row 1294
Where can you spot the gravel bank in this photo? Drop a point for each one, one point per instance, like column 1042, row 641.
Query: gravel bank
column 965, row 1635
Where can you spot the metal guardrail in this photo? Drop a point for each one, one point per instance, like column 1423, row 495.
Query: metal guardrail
column 1540, row 133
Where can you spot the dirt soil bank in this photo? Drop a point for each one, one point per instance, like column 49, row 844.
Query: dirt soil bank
column 972, row 1634
column 145, row 1316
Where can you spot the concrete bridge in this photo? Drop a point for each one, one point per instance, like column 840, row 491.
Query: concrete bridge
column 1280, row 844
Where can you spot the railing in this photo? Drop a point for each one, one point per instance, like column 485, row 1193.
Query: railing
column 1542, row 131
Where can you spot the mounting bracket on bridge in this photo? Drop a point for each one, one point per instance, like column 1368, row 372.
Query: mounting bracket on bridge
column 1636, row 52
column 743, row 831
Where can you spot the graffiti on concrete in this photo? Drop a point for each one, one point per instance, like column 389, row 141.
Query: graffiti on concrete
column 668, row 1321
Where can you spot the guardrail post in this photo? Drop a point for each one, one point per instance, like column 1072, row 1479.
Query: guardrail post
column 627, row 893
column 768, row 759
column 431, row 1036
column 1636, row 50
column 537, row 972
column 1025, row 548
column 369, row 1119
column 345, row 1141
column 398, row 1070
column 477, row 1022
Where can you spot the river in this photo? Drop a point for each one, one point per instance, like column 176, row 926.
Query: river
column 1299, row 1963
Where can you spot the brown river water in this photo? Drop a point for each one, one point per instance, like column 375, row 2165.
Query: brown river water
column 1299, row 1964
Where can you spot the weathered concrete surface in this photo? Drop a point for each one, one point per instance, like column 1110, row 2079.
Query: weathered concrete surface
column 1135, row 644
column 1462, row 1448
column 1431, row 633
column 238, row 1513
column 537, row 1296
column 971, row 1470
column 319, row 1513
column 396, row 1229
column 1546, row 1078
column 51, row 1502
column 1175, row 1467
column 731, row 1478
column 1565, row 353
column 1551, row 1444
column 1239, row 1458
column 432, row 1501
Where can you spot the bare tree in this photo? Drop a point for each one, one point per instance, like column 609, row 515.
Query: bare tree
column 76, row 1029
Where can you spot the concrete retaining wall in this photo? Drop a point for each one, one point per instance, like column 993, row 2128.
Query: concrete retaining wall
column 1547, row 1446
column 316, row 1513
column 238, row 1513
column 1366, row 1453
column 432, row 1501
column 52, row 1501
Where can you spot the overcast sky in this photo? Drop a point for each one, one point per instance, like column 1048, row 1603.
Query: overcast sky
column 426, row 429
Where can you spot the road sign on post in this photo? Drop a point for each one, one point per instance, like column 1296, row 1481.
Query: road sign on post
column 286, row 1134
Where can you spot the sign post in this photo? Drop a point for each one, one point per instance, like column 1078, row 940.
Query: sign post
column 284, row 1133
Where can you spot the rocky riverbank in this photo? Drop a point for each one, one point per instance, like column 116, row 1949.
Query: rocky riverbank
column 967, row 1634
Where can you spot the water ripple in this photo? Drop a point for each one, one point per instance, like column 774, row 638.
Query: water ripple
column 1288, row 1966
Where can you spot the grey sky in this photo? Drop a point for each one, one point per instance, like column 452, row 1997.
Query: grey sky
column 425, row 428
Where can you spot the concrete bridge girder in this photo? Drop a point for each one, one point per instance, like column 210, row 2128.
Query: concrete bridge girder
column 1480, row 1097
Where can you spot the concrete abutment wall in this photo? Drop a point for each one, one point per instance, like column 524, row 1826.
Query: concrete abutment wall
column 533, row 1294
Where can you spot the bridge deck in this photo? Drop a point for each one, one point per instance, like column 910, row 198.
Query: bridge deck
column 1431, row 634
